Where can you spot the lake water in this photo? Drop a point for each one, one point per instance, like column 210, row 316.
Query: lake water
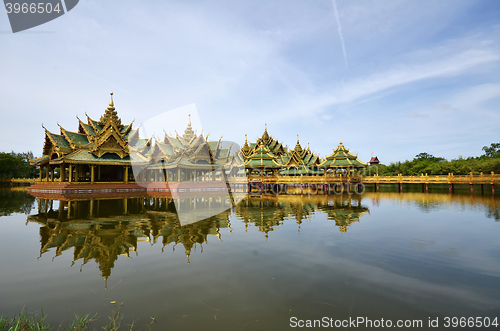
column 266, row 264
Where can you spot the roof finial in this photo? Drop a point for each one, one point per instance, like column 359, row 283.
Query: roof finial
column 189, row 120
column 297, row 138
column 245, row 137
column 111, row 103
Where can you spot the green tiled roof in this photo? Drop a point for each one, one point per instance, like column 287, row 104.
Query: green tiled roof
column 176, row 143
column 341, row 157
column 96, row 124
column 130, row 133
column 59, row 140
column 213, row 145
column 86, row 156
column 77, row 138
column 140, row 143
column 262, row 157
column 222, row 153
column 39, row 160
column 166, row 149
column 89, row 129
column 125, row 127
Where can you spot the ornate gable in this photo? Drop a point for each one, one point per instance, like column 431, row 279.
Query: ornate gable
column 110, row 139
column 296, row 157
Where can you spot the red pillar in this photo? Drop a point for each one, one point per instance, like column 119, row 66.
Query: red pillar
column 401, row 187
column 471, row 188
column 377, row 187
column 426, row 188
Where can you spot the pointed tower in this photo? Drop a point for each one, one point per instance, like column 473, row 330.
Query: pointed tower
column 189, row 134
column 245, row 150
column 110, row 137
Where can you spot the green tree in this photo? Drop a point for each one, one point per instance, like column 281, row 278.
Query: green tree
column 16, row 165
column 493, row 150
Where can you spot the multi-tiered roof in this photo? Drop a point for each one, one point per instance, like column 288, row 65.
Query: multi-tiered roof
column 269, row 154
column 96, row 142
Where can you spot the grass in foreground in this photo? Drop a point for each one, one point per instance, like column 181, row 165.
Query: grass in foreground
column 26, row 321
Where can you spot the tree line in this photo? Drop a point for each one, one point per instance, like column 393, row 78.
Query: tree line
column 16, row 165
column 425, row 163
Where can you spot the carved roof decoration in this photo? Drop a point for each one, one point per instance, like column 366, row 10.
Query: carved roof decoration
column 342, row 158
column 300, row 160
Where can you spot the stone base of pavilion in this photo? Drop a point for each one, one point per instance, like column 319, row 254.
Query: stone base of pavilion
column 82, row 190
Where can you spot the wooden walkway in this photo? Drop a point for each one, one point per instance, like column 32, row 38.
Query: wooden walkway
column 323, row 183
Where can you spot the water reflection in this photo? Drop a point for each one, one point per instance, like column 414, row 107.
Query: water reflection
column 268, row 212
column 428, row 202
column 103, row 229
column 15, row 200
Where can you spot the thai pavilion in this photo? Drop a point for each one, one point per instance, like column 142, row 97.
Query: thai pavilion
column 108, row 152
column 104, row 151
column 268, row 157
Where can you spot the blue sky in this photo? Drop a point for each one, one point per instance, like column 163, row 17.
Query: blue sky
column 396, row 77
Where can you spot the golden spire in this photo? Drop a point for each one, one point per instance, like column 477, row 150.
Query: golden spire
column 188, row 133
column 265, row 136
column 298, row 148
column 245, row 138
column 111, row 103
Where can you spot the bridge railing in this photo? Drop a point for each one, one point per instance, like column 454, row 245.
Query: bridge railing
column 491, row 178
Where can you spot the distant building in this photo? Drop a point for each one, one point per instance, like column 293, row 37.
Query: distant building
column 374, row 160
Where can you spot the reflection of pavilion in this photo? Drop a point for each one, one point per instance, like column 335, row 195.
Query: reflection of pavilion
column 344, row 212
column 101, row 230
column 268, row 212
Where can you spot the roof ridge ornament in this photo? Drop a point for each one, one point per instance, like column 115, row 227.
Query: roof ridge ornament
column 111, row 103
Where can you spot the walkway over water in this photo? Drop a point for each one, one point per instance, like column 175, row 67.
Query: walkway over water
column 321, row 183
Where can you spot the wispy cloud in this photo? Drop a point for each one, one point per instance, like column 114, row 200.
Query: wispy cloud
column 339, row 29
column 416, row 115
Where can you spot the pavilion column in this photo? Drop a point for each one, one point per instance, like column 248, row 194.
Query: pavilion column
column 99, row 172
column 92, row 173
column 60, row 214
column 52, row 170
column 41, row 169
column 69, row 209
column 75, row 174
column 178, row 174
column 47, row 173
column 70, row 176
column 125, row 176
column 63, row 172
column 156, row 175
